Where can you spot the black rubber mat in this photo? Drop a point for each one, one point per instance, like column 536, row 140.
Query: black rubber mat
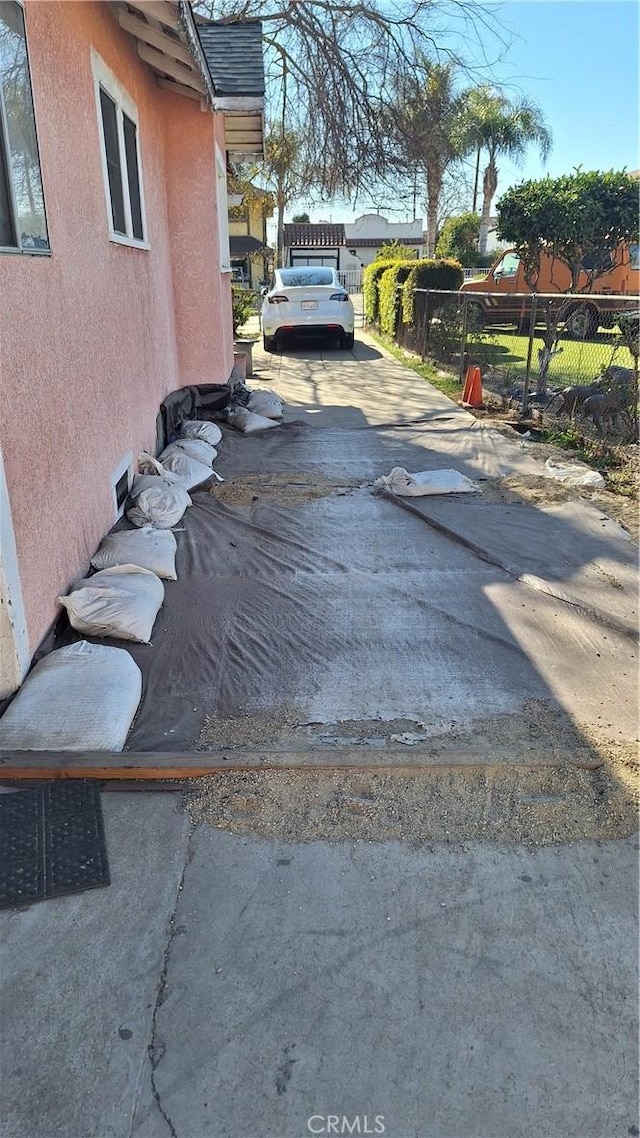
column 51, row 842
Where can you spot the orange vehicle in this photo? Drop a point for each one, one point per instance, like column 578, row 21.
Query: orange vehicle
column 504, row 297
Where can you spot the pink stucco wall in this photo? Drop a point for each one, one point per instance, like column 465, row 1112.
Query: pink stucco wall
column 93, row 337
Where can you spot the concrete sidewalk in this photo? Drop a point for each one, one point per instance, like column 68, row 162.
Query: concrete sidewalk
column 228, row 987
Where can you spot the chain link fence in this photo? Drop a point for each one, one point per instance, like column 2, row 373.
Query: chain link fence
column 540, row 354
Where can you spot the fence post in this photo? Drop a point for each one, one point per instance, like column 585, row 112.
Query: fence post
column 532, row 332
column 463, row 340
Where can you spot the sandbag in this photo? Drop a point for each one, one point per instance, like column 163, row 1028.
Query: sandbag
column 425, row 482
column 267, row 403
column 122, row 602
column 196, row 448
column 573, row 474
column 159, row 500
column 190, row 472
column 247, row 422
column 148, row 548
column 199, row 429
column 79, row 698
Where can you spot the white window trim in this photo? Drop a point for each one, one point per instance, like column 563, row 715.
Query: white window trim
column 104, row 78
column 125, row 467
column 223, row 212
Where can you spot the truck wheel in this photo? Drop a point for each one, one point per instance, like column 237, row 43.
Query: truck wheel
column 582, row 323
column 269, row 343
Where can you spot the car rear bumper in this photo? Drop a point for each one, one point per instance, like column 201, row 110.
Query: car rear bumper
column 304, row 329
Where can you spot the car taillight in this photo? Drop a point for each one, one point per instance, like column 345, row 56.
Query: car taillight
column 338, row 296
column 278, row 299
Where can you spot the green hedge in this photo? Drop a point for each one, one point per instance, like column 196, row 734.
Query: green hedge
column 445, row 274
column 389, row 294
column 370, row 278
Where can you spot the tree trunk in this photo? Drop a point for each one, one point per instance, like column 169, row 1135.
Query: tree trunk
column 280, row 205
column 434, row 189
column 489, row 187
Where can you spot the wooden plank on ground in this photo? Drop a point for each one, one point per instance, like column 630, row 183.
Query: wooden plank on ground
column 144, row 766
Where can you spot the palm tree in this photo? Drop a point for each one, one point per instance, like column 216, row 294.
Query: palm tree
column 426, row 115
column 494, row 123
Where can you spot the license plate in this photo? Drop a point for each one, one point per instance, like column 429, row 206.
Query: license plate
column 307, row 304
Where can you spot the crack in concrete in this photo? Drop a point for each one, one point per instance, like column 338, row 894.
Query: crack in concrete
column 156, row 1049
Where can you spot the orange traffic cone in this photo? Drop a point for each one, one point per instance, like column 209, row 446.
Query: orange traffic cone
column 472, row 393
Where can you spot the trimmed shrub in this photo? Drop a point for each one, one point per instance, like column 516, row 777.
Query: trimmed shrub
column 370, row 278
column 430, row 274
column 389, row 295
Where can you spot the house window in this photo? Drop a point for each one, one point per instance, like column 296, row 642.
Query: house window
column 23, row 225
column 118, row 122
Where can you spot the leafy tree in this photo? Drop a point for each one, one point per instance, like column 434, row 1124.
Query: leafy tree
column 284, row 173
column 426, row 121
column 501, row 126
column 459, row 239
column 579, row 219
column 302, row 218
column 392, row 251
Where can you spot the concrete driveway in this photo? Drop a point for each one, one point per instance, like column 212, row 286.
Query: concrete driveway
column 442, row 951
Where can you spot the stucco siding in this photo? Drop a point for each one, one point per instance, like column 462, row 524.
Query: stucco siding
column 89, row 340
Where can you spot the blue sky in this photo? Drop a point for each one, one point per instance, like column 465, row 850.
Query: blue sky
column 579, row 60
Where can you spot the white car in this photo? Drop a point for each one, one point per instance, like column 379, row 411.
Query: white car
column 308, row 300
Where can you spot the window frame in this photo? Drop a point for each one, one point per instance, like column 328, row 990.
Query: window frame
column 224, row 246
column 105, row 80
column 18, row 249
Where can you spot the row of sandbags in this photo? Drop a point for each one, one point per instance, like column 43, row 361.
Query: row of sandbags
column 84, row 696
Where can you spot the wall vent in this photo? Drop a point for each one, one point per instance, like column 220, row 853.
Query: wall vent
column 120, row 483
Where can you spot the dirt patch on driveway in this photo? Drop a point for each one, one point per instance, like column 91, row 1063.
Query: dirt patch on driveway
column 293, row 488
column 504, row 804
column 533, row 778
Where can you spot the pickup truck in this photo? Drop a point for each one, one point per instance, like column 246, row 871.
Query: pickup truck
column 504, row 297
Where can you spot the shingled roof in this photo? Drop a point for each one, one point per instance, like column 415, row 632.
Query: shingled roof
column 234, row 57
column 307, row 235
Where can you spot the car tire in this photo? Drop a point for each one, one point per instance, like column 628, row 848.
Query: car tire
column 347, row 340
column 582, row 323
column 269, row 343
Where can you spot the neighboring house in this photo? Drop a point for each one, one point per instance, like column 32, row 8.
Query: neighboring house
column 306, row 243
column 350, row 246
column 367, row 234
column 250, row 254
column 116, row 122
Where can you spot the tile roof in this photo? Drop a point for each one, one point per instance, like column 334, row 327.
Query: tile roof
column 308, row 235
column 234, row 57
column 373, row 242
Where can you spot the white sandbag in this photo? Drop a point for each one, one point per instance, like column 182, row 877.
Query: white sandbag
column 199, row 429
column 425, row 482
column 247, row 422
column 190, row 472
column 573, row 474
column 267, row 403
column 148, row 548
column 196, row 448
column 79, row 698
column 122, row 602
column 157, row 501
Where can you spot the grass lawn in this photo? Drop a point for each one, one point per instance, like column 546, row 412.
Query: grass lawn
column 578, row 362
